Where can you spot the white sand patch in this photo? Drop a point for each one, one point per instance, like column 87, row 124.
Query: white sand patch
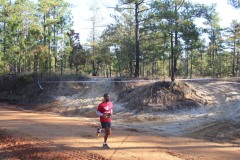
column 185, row 122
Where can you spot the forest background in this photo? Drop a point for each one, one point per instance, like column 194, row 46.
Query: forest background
column 147, row 38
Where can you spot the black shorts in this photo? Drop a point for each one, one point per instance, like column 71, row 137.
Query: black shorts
column 106, row 124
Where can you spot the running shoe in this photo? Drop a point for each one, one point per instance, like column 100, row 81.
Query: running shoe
column 99, row 130
column 105, row 146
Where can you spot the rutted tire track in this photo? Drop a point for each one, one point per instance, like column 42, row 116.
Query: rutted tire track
column 28, row 148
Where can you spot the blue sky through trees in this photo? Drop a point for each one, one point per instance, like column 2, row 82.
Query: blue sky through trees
column 81, row 14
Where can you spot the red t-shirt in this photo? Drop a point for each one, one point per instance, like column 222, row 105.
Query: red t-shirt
column 105, row 107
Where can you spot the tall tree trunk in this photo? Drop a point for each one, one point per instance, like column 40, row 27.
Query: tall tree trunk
column 221, row 64
column 93, row 68
column 35, row 73
column 170, row 64
column 4, row 39
column 44, row 30
column 4, row 42
column 163, row 58
column 61, row 66
column 45, row 38
column 49, row 54
column 137, row 40
column 28, row 65
column 143, row 68
column 172, row 59
column 234, row 57
column 130, row 57
column 19, row 64
column 130, row 52
column 187, row 61
column 175, row 57
column 15, row 77
column 201, row 68
column 191, row 69
column 157, row 68
column 163, row 69
column 152, row 69
column 176, row 50
column 55, row 50
column 94, row 72
column 237, row 65
column 212, row 52
column 55, row 41
column 110, row 71
column 154, row 64
column 118, row 62
column 107, row 71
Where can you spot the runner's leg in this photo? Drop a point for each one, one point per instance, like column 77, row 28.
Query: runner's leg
column 106, row 134
column 107, row 131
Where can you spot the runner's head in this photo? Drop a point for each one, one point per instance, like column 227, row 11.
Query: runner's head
column 106, row 97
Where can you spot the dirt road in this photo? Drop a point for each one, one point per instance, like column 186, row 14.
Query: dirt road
column 29, row 135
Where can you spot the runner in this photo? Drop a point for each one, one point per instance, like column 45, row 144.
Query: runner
column 105, row 110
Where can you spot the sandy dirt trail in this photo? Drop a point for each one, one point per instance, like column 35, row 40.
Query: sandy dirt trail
column 79, row 134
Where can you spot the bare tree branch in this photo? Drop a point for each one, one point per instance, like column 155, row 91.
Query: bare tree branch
column 119, row 8
column 181, row 5
column 144, row 10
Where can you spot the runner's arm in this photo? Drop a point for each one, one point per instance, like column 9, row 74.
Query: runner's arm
column 111, row 111
column 99, row 113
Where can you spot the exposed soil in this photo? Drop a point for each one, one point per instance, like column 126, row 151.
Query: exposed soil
column 160, row 96
column 28, row 135
column 191, row 120
column 20, row 146
column 219, row 131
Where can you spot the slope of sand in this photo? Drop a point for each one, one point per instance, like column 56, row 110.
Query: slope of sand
column 218, row 120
